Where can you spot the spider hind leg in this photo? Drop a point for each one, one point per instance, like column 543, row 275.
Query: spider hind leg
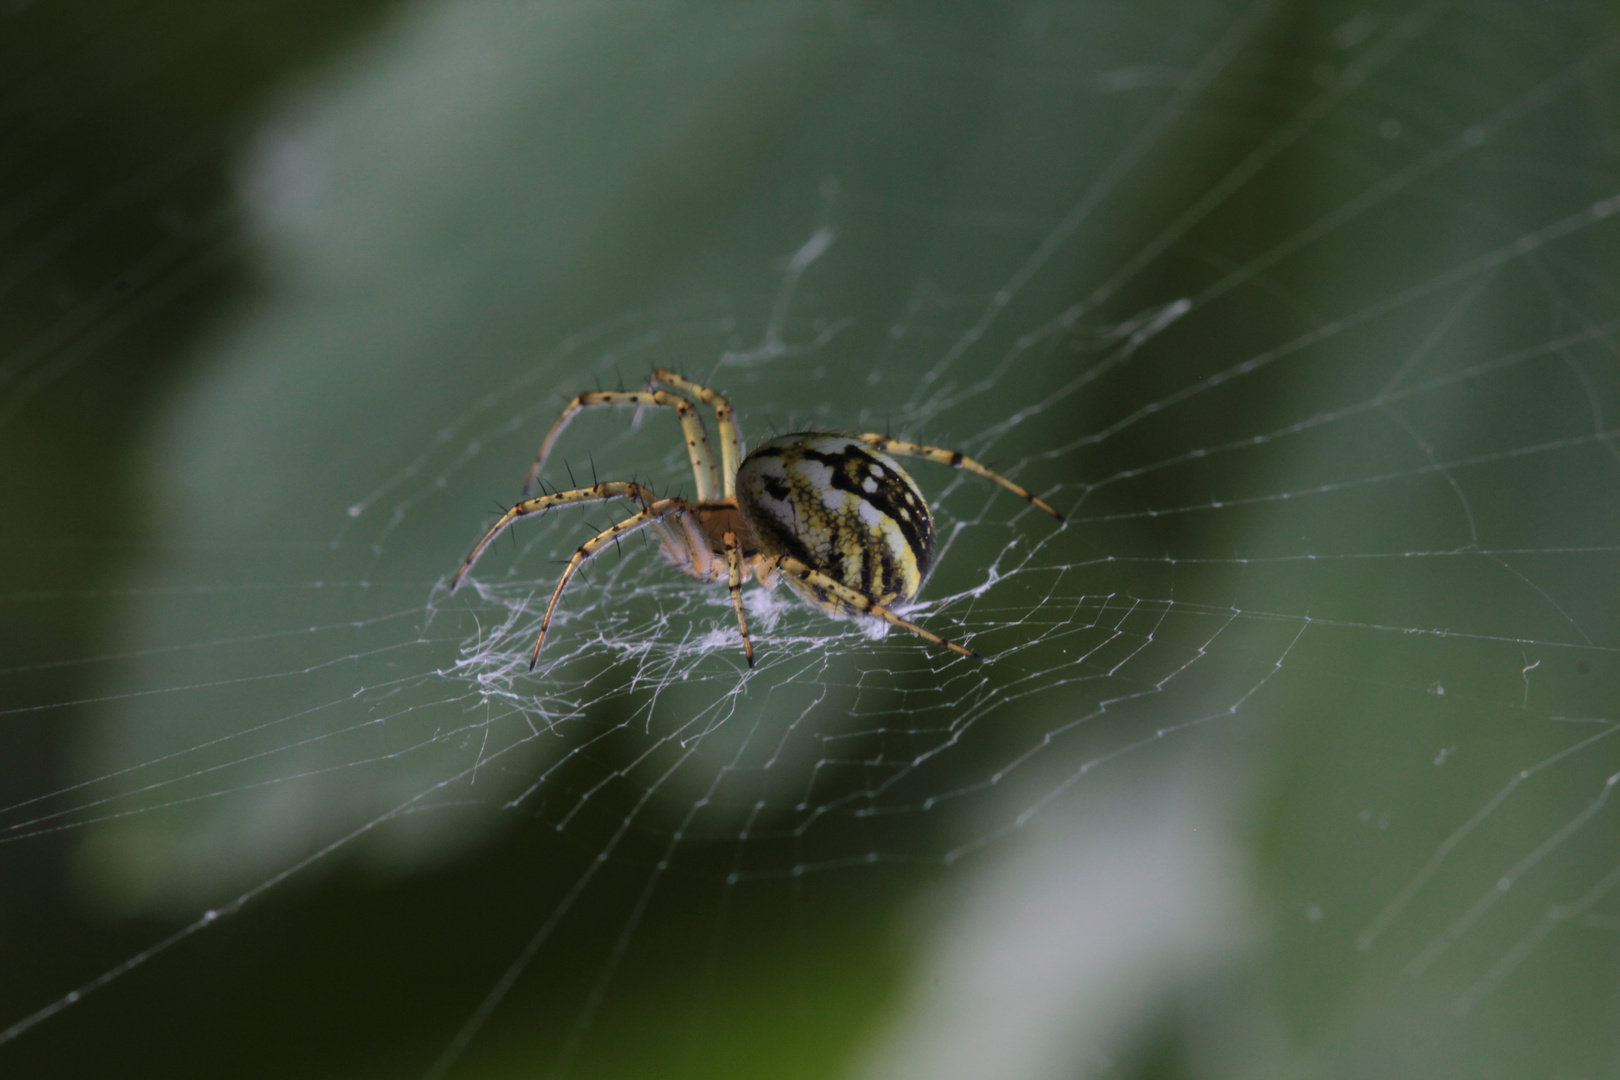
column 956, row 460
column 834, row 596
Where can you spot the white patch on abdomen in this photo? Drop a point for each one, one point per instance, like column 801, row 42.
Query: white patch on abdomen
column 814, row 473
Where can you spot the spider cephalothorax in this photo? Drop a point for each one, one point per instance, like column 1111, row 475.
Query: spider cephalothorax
column 832, row 515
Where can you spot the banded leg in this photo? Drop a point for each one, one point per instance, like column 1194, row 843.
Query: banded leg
column 734, row 562
column 697, row 438
column 731, row 444
column 651, row 515
column 859, row 601
column 956, row 460
column 600, row 493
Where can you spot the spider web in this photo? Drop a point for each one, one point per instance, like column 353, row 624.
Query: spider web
column 1292, row 745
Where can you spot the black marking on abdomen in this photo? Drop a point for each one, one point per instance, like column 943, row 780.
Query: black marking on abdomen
column 852, row 467
column 783, row 539
column 881, row 579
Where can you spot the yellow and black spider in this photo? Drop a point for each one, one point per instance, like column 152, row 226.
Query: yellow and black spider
column 833, row 515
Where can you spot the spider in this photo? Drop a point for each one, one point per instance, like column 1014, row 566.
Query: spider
column 832, row 515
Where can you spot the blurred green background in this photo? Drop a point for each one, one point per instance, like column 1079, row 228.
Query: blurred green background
column 1293, row 753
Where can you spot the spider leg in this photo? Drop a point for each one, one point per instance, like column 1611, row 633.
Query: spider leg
column 697, row 439
column 854, row 598
column 956, row 460
column 731, row 442
column 600, row 493
column 734, row 562
column 648, row 516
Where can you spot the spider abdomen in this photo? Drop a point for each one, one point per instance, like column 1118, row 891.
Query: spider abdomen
column 841, row 507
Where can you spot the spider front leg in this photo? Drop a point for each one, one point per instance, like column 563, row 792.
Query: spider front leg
column 697, row 438
column 651, row 515
column 956, row 460
column 600, row 493
column 823, row 583
column 731, row 445
column 734, row 563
